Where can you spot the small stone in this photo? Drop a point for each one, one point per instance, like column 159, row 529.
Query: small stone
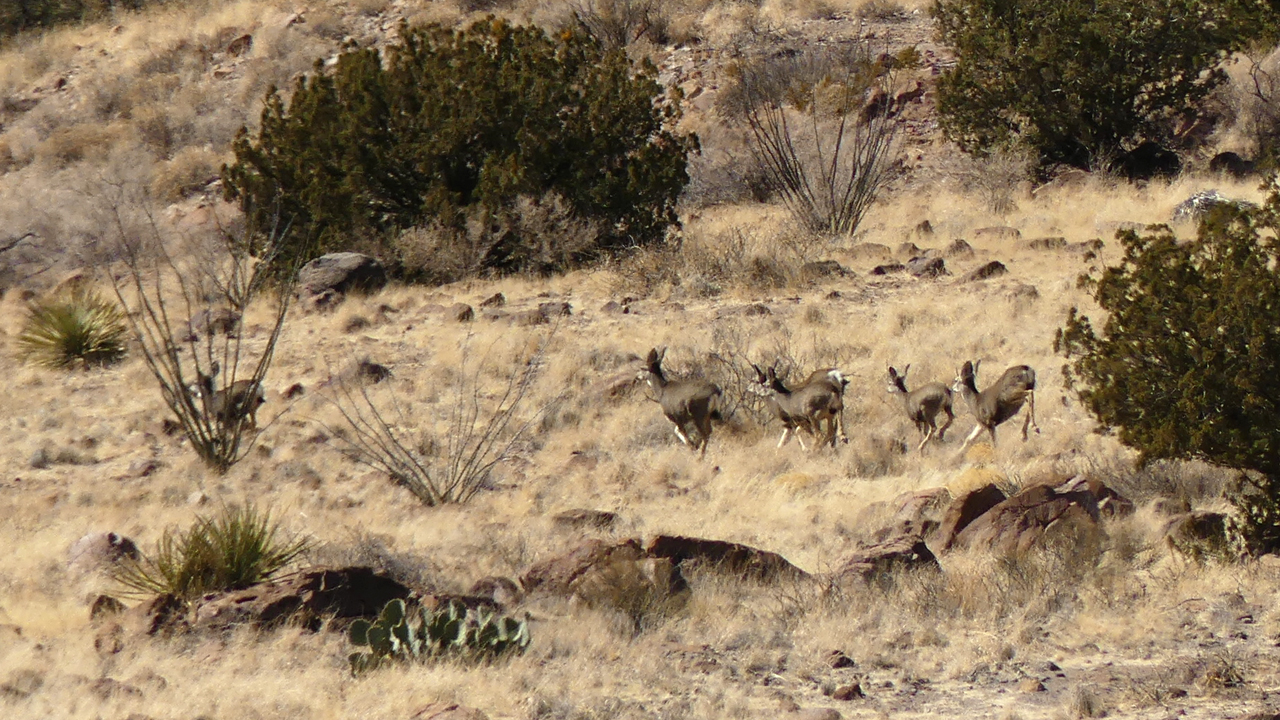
column 530, row 318
column 293, row 391
column 959, row 248
column 1030, row 685
column 849, row 692
column 927, row 267
column 103, row 607
column 583, row 518
column 837, row 660
column 462, row 312
column 197, row 498
column 995, row 268
column 144, row 468
column 555, row 309
column 817, row 714
column 495, row 300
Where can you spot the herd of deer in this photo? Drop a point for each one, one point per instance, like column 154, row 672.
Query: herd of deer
column 816, row 406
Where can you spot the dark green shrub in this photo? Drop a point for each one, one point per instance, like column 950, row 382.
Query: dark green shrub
column 1187, row 363
column 1078, row 81
column 451, row 127
column 82, row 329
column 233, row 549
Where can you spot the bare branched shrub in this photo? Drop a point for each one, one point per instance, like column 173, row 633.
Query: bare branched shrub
column 618, row 23
column 443, row 454
column 209, row 380
column 821, row 125
column 995, row 179
column 535, row 233
column 1256, row 101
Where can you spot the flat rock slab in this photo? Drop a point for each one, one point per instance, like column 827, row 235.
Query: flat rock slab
column 729, row 557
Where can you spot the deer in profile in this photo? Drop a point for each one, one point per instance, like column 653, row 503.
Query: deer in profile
column 815, row 406
column 687, row 404
column 999, row 402
column 923, row 404
column 236, row 403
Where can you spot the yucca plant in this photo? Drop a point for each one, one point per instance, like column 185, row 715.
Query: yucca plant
column 236, row 548
column 81, row 329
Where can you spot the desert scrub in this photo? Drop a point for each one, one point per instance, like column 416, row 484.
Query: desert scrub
column 407, row 138
column 233, row 549
column 82, row 329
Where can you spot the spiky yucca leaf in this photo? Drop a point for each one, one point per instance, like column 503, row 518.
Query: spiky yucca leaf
column 236, row 548
column 80, row 329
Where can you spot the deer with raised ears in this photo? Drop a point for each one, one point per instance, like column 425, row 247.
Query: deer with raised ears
column 238, row 402
column 923, row 404
column 686, row 403
column 815, row 406
column 999, row 402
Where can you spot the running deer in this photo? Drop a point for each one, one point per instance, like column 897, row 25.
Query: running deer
column 685, row 402
column 923, row 404
column 238, row 402
column 818, row 401
column 999, row 402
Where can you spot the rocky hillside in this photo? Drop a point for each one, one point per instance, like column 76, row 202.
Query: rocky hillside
column 1049, row 577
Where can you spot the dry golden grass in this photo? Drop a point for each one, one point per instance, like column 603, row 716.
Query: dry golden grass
column 1136, row 630
column 736, row 650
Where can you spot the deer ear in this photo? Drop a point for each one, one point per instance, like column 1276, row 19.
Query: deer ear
column 975, row 366
column 905, row 370
column 653, row 356
column 662, row 354
column 759, row 372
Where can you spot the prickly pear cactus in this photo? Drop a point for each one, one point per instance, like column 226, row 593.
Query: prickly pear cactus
column 448, row 631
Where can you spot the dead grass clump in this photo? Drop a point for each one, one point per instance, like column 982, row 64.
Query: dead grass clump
column 163, row 132
column 86, row 141
column 1086, row 703
column 190, row 171
column 881, row 10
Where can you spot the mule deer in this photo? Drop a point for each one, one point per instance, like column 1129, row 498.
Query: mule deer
column 238, row 402
column 684, row 402
column 817, row 401
column 923, row 404
column 999, row 402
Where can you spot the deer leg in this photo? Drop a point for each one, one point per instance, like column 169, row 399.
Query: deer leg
column 800, row 439
column 704, row 429
column 840, row 421
column 951, row 417
column 786, row 436
column 683, row 438
column 976, row 431
column 1031, row 415
column 927, row 435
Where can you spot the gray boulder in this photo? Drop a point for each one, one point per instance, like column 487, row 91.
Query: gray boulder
column 341, row 273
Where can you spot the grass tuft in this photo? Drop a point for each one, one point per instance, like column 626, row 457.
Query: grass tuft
column 83, row 329
column 236, row 548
